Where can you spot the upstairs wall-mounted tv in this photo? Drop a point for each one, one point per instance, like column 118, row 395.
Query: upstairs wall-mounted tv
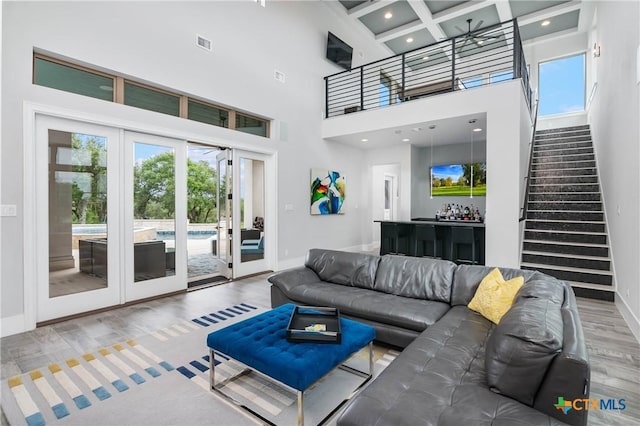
column 339, row 52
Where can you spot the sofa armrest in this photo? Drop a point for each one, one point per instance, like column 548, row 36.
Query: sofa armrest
column 290, row 278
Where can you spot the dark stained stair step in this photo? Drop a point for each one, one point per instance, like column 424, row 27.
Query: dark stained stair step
column 555, row 165
column 587, row 171
column 564, row 196
column 578, row 206
column 573, row 261
column 574, row 187
column 562, row 145
column 560, row 180
column 566, row 215
column 562, row 151
column 563, row 158
column 562, row 129
column 567, row 237
column 591, row 277
column 564, row 134
column 560, row 225
column 581, row 249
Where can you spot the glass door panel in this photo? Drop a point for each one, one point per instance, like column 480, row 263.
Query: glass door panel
column 203, row 265
column 251, row 206
column 76, row 188
column 155, row 238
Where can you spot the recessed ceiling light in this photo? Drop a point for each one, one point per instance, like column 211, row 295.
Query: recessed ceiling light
column 364, row 140
column 388, row 15
column 424, row 58
column 410, row 40
column 405, row 140
column 417, row 129
column 545, row 23
column 480, row 41
column 477, row 129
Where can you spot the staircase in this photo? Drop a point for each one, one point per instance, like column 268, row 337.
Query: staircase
column 565, row 231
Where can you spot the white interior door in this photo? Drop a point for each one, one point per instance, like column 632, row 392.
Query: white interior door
column 77, row 220
column 154, row 251
column 253, row 236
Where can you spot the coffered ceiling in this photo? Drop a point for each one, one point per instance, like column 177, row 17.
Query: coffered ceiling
column 391, row 23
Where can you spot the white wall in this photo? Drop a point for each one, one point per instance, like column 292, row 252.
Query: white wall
column 155, row 42
column 422, row 204
column 614, row 118
column 503, row 134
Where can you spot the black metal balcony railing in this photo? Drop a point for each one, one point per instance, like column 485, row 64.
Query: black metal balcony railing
column 482, row 57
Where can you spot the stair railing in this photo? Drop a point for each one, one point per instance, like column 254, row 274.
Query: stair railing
column 527, row 178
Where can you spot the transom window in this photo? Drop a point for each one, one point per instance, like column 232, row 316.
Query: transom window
column 62, row 75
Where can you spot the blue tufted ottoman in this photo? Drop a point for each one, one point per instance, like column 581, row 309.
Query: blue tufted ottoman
column 260, row 343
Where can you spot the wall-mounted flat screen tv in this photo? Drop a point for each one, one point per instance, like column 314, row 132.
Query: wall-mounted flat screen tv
column 459, row 180
column 338, row 51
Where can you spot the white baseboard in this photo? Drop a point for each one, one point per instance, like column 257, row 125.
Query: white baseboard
column 12, row 325
column 628, row 315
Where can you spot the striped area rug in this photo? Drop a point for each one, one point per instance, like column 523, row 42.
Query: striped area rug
column 167, row 373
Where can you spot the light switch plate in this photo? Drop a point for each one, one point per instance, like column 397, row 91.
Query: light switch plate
column 8, row 210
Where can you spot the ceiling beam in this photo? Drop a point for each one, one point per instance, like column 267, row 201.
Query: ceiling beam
column 368, row 7
column 460, row 10
column 550, row 12
column 400, row 31
column 423, row 12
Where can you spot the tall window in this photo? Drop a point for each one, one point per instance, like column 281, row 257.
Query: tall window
column 561, row 84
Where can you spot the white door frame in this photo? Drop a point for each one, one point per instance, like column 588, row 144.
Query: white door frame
column 49, row 308
column 157, row 286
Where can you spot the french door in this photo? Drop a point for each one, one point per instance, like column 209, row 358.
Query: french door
column 77, row 217
column 110, row 222
column 224, row 253
column 252, row 237
column 155, row 218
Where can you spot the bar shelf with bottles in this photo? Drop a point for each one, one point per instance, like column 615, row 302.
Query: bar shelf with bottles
column 458, row 213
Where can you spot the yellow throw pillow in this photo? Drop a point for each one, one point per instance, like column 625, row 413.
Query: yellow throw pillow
column 494, row 295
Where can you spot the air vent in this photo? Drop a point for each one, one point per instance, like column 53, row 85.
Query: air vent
column 278, row 75
column 203, row 43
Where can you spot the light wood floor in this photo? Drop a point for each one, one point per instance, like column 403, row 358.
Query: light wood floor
column 613, row 350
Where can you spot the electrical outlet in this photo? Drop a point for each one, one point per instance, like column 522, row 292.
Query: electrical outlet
column 8, row 210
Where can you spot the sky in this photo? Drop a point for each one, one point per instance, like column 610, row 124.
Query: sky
column 562, row 85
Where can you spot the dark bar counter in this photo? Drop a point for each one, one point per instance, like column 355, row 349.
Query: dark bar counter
column 399, row 237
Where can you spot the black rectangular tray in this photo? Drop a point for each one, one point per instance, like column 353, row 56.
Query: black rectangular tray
column 304, row 316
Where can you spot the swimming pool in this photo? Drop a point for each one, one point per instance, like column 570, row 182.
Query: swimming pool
column 191, row 235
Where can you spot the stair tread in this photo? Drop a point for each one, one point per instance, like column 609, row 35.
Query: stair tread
column 558, row 231
column 597, row 222
column 566, row 243
column 563, row 211
column 567, row 255
column 567, row 268
column 582, row 284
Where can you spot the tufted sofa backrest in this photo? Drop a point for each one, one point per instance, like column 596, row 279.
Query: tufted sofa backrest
column 346, row 268
column 417, row 277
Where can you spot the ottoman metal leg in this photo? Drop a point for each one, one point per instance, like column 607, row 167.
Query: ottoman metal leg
column 300, row 410
column 212, row 371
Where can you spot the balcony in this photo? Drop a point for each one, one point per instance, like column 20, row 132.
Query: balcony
column 487, row 56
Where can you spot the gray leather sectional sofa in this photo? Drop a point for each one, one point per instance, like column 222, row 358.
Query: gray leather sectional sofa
column 456, row 368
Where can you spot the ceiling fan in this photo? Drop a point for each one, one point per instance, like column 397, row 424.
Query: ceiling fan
column 473, row 36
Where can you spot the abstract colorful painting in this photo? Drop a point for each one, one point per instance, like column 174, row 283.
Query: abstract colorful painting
column 327, row 192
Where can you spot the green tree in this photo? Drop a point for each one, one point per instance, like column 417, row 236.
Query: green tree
column 201, row 192
column 154, row 189
column 89, row 187
column 479, row 173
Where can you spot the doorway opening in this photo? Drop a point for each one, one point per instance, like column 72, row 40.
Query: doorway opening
column 207, row 215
